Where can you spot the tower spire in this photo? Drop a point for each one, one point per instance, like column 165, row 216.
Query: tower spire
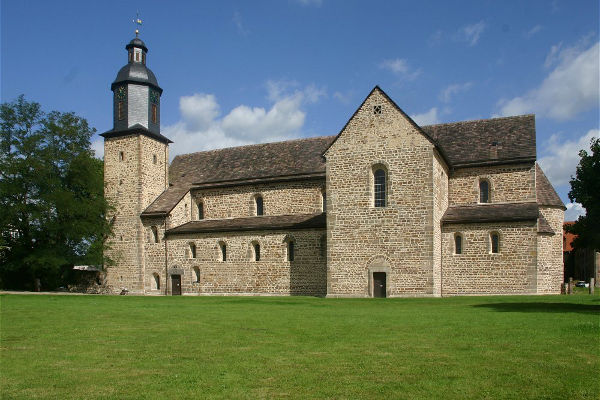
column 137, row 22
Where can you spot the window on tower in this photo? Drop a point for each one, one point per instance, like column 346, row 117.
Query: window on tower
column 121, row 110
column 154, row 113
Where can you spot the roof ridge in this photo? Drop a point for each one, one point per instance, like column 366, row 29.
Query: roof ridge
column 479, row 120
column 254, row 145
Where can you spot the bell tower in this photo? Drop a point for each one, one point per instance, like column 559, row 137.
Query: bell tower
column 136, row 166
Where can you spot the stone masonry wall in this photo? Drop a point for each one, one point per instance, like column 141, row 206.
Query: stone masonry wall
column 478, row 271
column 550, row 267
column 396, row 239
column 508, row 183
column 132, row 180
column 240, row 274
column 440, row 204
column 301, row 197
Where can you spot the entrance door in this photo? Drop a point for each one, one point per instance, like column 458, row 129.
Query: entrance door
column 378, row 284
column 176, row 285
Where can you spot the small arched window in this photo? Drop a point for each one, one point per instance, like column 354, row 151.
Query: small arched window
column 290, row 250
column 259, row 205
column 223, row 248
column 379, row 190
column 494, row 243
column 256, row 248
column 156, row 281
column 458, row 243
column 197, row 274
column 323, row 246
column 154, row 159
column 155, row 237
column 484, row 191
column 192, row 250
column 200, row 210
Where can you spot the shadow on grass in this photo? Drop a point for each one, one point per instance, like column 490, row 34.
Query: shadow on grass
column 542, row 307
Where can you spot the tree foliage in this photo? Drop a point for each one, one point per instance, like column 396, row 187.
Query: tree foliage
column 52, row 209
column 585, row 189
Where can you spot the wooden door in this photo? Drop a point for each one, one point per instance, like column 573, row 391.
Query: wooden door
column 176, row 285
column 378, row 284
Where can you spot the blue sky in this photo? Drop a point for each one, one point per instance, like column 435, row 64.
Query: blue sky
column 238, row 72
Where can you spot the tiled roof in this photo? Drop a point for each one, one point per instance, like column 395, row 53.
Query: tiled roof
column 545, row 193
column 544, row 226
column 294, row 159
column 265, row 222
column 505, row 212
column 486, row 141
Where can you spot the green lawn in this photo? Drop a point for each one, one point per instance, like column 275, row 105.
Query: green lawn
column 84, row 347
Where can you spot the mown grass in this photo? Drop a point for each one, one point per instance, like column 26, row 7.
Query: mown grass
column 125, row 347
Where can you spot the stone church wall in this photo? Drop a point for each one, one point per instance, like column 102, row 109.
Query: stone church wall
column 550, row 252
column 240, row 274
column 477, row 271
column 440, row 204
column 396, row 239
column 508, row 183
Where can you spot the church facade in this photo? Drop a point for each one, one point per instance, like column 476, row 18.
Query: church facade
column 386, row 208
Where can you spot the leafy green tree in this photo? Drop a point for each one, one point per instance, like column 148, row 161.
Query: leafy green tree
column 52, row 209
column 585, row 189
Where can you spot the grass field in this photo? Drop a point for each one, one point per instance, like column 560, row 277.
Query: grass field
column 104, row 347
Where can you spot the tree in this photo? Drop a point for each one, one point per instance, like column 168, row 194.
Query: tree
column 52, row 209
column 585, row 189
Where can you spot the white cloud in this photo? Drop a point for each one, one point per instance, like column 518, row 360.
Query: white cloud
column 471, row 33
column 239, row 24
column 343, row 97
column 562, row 157
column 427, row 118
column 451, row 90
column 400, row 67
column 571, row 87
column 98, row 148
column 202, row 128
column 573, row 211
column 533, row 31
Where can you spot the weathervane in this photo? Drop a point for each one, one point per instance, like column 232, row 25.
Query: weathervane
column 138, row 22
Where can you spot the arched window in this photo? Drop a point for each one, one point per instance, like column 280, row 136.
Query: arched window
column 223, row 248
column 200, row 210
column 494, row 243
column 154, row 159
column 323, row 246
column 192, row 250
column 379, row 189
column 259, row 205
column 155, row 237
column 458, row 243
column 156, row 282
column 290, row 250
column 197, row 274
column 256, row 248
column 484, row 191
column 121, row 111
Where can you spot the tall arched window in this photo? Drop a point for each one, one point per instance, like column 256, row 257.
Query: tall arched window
column 197, row 274
column 484, row 191
column 223, row 248
column 156, row 282
column 494, row 243
column 200, row 210
column 379, row 190
column 256, row 248
column 192, row 250
column 259, row 205
column 290, row 250
column 155, row 234
column 458, row 243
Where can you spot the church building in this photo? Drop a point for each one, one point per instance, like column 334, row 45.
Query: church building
column 385, row 208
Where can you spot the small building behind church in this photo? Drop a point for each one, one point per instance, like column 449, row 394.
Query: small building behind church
column 385, row 208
